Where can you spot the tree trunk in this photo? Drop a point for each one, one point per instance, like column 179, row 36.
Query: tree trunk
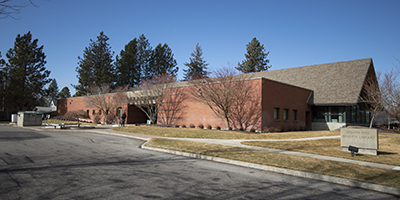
column 226, row 120
column 372, row 121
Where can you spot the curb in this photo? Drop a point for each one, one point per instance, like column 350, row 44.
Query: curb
column 309, row 175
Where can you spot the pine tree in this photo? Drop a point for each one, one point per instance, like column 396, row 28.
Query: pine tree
column 127, row 65
column 131, row 62
column 197, row 66
column 64, row 93
column 25, row 73
column 2, row 83
column 161, row 62
column 96, row 67
column 256, row 58
column 51, row 92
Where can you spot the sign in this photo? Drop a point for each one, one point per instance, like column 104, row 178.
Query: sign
column 365, row 139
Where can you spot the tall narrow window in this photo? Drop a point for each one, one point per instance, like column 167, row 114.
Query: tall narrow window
column 99, row 112
column 276, row 113
column 87, row 112
column 294, row 115
column 94, row 112
column 285, row 114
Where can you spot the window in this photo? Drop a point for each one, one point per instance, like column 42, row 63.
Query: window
column 285, row 114
column 276, row 113
column 99, row 112
column 87, row 112
column 94, row 112
column 294, row 115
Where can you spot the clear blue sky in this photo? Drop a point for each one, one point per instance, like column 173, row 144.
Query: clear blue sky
column 296, row 32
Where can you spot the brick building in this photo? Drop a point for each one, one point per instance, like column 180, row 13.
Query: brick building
column 316, row 97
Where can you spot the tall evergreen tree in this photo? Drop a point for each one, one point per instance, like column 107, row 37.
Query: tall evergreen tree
column 127, row 65
column 64, row 93
column 256, row 58
column 145, row 52
column 51, row 92
column 197, row 66
column 132, row 61
column 96, row 67
column 2, row 83
column 26, row 74
column 161, row 62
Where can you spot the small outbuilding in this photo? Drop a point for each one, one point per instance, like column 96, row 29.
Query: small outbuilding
column 29, row 118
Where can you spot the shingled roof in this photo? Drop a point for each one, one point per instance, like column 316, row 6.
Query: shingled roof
column 338, row 83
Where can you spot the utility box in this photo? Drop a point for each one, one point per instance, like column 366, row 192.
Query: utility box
column 14, row 118
column 29, row 118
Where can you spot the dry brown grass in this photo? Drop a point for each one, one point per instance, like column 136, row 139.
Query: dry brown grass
column 215, row 134
column 388, row 153
column 344, row 170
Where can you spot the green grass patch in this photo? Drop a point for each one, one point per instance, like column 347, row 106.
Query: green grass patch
column 343, row 170
column 215, row 134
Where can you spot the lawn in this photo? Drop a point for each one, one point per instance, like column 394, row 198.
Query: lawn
column 389, row 151
column 215, row 134
column 338, row 169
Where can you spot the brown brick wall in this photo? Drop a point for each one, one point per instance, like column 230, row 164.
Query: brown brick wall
column 194, row 112
column 274, row 95
column 282, row 96
column 79, row 103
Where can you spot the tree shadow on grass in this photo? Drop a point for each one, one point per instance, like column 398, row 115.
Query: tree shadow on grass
column 385, row 153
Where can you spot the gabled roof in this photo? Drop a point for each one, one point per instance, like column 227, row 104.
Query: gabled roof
column 45, row 109
column 338, row 83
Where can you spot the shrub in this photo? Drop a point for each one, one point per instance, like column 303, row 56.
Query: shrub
column 230, row 128
column 266, row 130
column 241, row 129
column 253, row 130
column 191, row 126
column 184, row 126
column 176, row 126
column 218, row 128
column 96, row 119
column 201, row 126
column 209, row 127
column 110, row 119
column 276, row 130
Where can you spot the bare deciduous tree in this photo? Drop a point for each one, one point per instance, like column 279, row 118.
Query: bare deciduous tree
column 76, row 115
column 390, row 89
column 224, row 94
column 371, row 97
column 101, row 99
column 151, row 94
column 8, row 8
column 172, row 108
column 248, row 112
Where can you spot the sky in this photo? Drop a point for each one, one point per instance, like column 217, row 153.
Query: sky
column 295, row 32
